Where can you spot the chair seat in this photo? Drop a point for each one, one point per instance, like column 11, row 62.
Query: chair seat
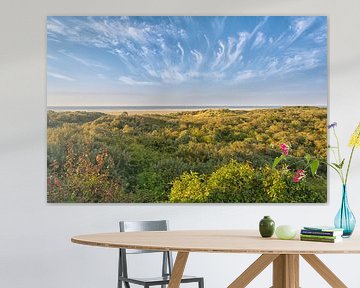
column 158, row 280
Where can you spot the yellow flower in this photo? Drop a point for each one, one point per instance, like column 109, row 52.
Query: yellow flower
column 355, row 138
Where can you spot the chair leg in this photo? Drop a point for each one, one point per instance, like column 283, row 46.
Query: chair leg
column 201, row 283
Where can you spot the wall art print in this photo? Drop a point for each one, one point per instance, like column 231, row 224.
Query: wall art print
column 187, row 109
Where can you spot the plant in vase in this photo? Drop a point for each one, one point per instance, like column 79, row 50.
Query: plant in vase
column 344, row 219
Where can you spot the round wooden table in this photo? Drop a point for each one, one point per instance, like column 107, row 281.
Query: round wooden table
column 284, row 254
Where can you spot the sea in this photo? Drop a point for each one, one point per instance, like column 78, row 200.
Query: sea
column 150, row 108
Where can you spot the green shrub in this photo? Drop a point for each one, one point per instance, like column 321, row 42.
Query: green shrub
column 231, row 183
column 189, row 187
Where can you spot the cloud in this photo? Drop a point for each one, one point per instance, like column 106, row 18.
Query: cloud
column 172, row 76
column 207, row 41
column 299, row 26
column 86, row 62
column 259, row 40
column 198, row 57
column 229, row 53
column 132, row 82
column 245, row 75
column 302, row 61
column 319, row 36
column 55, row 26
column 153, row 51
column 181, row 51
column 218, row 25
column 258, row 26
column 219, row 54
column 151, row 71
column 60, row 76
column 298, row 61
column 110, row 32
column 234, row 49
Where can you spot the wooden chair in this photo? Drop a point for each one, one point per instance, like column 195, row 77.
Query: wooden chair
column 167, row 262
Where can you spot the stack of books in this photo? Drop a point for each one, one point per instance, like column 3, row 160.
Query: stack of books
column 321, row 234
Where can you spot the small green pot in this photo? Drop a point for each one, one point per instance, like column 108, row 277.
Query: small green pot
column 267, row 227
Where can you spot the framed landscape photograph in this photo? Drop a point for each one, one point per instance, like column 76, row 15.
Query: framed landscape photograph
column 168, row 109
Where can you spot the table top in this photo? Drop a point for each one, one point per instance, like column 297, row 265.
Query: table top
column 217, row 241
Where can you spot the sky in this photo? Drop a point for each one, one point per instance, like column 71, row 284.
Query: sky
column 186, row 61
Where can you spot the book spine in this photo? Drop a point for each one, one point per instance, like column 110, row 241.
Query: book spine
column 319, row 236
column 320, row 233
column 318, row 239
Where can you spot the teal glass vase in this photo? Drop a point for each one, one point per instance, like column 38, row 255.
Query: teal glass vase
column 345, row 219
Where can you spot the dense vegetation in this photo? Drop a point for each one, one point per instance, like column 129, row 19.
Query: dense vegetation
column 194, row 156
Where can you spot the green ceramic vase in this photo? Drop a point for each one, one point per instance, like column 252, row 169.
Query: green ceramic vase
column 267, row 227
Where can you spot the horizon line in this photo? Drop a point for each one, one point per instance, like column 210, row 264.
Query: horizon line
column 272, row 105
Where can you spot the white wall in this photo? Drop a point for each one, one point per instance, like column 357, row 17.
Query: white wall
column 35, row 248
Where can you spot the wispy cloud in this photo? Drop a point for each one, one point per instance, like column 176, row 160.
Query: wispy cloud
column 299, row 26
column 110, row 32
column 133, row 82
column 181, row 50
column 259, row 40
column 258, row 26
column 60, row 76
column 319, row 36
column 207, row 41
column 149, row 51
column 245, row 75
column 86, row 62
column 218, row 25
column 294, row 62
column 219, row 54
column 234, row 49
column 198, row 57
column 55, row 26
column 172, row 75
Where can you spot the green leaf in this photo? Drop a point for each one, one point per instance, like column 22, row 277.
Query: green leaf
column 277, row 160
column 336, row 165
column 308, row 158
column 342, row 164
column 314, row 167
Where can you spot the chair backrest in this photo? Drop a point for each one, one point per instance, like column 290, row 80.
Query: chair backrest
column 135, row 226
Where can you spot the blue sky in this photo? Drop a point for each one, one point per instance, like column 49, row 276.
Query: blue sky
column 187, row 61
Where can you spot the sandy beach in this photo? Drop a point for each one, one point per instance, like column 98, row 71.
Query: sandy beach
column 156, row 111
column 163, row 112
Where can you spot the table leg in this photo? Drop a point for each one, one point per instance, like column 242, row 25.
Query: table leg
column 324, row 271
column 178, row 270
column 253, row 270
column 286, row 271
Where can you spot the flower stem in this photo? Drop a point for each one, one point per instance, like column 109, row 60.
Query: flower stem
column 339, row 155
column 334, row 154
column 348, row 166
column 338, row 146
column 337, row 171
